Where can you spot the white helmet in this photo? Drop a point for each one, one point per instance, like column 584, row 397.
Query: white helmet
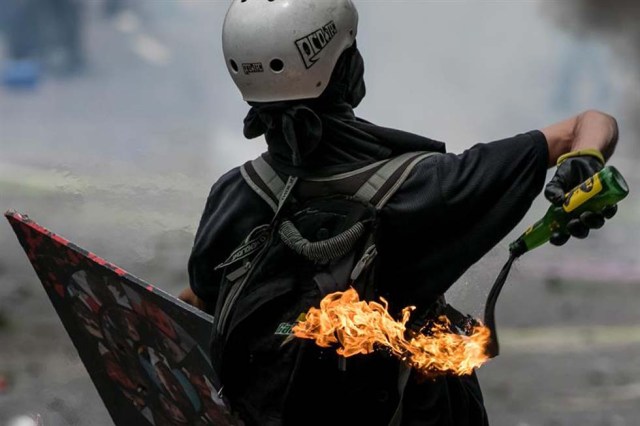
column 279, row 50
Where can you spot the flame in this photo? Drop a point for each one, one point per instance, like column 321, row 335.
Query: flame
column 361, row 327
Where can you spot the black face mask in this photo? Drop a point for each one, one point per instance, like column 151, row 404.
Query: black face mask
column 320, row 137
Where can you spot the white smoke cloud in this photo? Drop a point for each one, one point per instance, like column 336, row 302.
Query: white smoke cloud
column 615, row 24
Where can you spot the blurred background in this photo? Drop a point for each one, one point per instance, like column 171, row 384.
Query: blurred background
column 116, row 116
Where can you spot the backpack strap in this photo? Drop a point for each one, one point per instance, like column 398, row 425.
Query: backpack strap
column 377, row 189
column 375, row 184
column 389, row 178
column 264, row 180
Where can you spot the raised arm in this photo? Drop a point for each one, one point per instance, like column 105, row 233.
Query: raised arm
column 589, row 130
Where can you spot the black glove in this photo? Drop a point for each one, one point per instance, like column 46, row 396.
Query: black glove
column 573, row 169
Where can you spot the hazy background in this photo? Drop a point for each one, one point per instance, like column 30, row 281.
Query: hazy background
column 116, row 145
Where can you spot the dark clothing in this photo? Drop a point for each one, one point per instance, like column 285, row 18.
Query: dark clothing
column 449, row 213
column 457, row 208
column 323, row 137
column 23, row 28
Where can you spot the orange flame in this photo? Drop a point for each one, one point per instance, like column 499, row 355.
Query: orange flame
column 360, row 327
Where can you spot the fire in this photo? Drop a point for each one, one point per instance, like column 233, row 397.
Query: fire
column 361, row 327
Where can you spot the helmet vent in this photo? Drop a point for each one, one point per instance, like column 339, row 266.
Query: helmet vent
column 276, row 65
column 234, row 65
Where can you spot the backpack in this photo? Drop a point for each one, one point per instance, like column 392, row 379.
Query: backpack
column 321, row 240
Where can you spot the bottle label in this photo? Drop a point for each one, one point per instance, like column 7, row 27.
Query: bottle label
column 583, row 193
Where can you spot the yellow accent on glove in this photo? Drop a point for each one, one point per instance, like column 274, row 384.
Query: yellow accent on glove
column 589, row 151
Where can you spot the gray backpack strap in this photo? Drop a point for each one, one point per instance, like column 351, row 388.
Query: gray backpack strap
column 378, row 189
column 264, row 180
column 389, row 178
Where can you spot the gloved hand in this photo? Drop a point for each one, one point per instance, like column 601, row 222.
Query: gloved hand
column 573, row 169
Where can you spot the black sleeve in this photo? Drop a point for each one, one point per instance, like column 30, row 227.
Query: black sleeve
column 455, row 208
column 496, row 178
column 232, row 210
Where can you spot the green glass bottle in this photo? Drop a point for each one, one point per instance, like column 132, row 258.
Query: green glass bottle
column 604, row 189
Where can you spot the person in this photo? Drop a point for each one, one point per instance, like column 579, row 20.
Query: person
column 298, row 66
column 42, row 35
column 65, row 17
column 22, row 68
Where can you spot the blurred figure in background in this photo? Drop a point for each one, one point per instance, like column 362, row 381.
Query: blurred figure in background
column 113, row 7
column 41, row 34
column 21, row 30
column 63, row 29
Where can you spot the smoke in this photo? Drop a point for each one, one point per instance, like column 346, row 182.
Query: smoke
column 618, row 17
column 616, row 23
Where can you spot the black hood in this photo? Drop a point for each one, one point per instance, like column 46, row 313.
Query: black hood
column 323, row 136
